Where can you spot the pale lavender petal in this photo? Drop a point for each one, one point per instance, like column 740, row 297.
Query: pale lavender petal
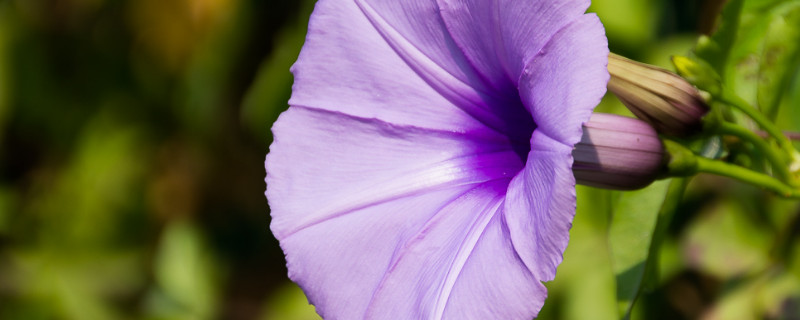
column 500, row 37
column 560, row 88
column 417, row 34
column 460, row 266
column 540, row 204
column 420, row 25
column 566, row 80
column 367, row 209
column 347, row 65
column 495, row 283
column 335, row 163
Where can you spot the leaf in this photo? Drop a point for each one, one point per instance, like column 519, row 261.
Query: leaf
column 764, row 51
column 288, row 303
column 789, row 116
column 579, row 292
column 187, row 274
column 269, row 93
column 716, row 49
column 631, row 232
column 665, row 215
column 780, row 58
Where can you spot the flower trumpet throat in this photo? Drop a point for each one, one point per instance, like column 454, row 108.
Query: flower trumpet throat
column 617, row 152
column 662, row 98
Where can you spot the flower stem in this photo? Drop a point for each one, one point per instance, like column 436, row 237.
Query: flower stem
column 762, row 121
column 776, row 159
column 748, row 176
column 791, row 135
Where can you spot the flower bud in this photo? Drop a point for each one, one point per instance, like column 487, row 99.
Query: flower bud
column 617, row 152
column 662, row 98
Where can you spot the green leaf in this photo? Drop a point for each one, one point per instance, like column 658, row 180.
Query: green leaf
column 763, row 52
column 187, row 274
column 631, row 232
column 716, row 49
column 579, row 292
column 288, row 303
column 629, row 23
column 780, row 58
column 668, row 209
column 269, row 94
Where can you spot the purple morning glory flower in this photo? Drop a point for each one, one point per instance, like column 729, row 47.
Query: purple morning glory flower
column 423, row 170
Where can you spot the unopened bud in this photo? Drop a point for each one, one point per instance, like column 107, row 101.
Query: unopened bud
column 662, row 98
column 617, row 152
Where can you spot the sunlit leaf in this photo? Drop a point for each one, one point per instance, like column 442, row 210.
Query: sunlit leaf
column 269, row 94
column 668, row 209
column 289, row 303
column 763, row 59
column 629, row 23
column 780, row 60
column 716, row 49
column 580, row 292
column 789, row 113
column 186, row 273
column 630, row 235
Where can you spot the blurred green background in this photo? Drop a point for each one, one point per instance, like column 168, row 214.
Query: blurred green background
column 132, row 139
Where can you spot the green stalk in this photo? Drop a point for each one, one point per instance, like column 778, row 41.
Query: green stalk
column 776, row 159
column 762, row 121
column 748, row 176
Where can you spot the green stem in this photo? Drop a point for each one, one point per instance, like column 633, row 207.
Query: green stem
column 791, row 135
column 779, row 165
column 760, row 119
column 751, row 177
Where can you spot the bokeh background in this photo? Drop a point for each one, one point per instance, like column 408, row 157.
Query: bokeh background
column 132, row 139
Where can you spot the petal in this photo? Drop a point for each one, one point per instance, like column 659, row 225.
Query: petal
column 341, row 263
column 420, row 25
column 540, row 205
column 335, row 163
column 356, row 62
column 561, row 86
column 495, row 283
column 566, row 80
column 500, row 37
column 417, row 33
column 461, row 265
column 366, row 209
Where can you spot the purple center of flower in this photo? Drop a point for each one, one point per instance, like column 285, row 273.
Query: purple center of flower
column 515, row 122
column 521, row 127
